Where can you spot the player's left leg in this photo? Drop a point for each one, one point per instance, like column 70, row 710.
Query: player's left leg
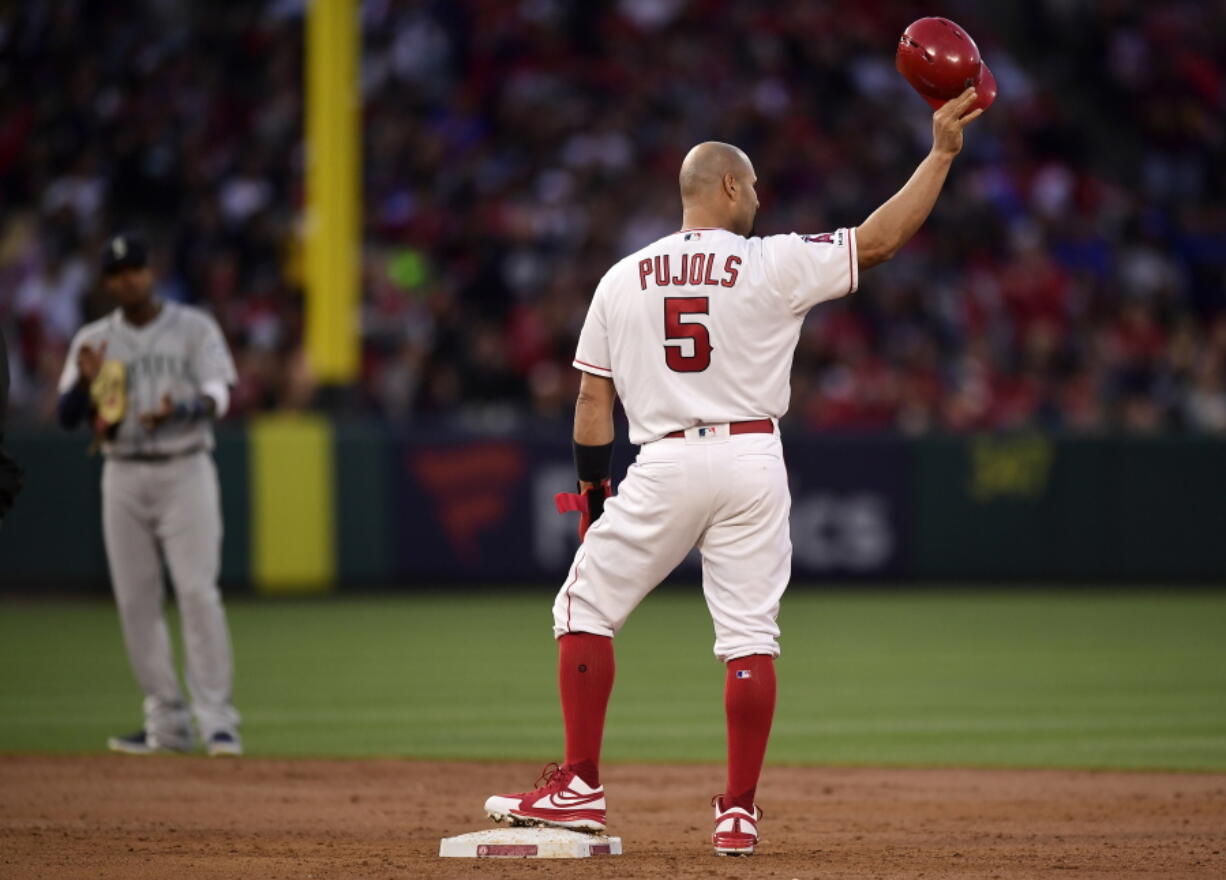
column 190, row 528
column 646, row 530
column 746, row 564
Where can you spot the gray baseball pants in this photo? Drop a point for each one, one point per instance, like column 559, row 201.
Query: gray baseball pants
column 171, row 506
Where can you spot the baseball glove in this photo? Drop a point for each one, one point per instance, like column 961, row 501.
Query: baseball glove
column 109, row 395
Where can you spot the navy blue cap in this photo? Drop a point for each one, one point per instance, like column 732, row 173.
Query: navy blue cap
column 124, row 251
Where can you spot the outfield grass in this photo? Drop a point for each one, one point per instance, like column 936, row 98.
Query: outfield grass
column 1011, row 678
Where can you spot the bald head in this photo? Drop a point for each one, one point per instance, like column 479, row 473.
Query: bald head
column 705, row 166
column 717, row 188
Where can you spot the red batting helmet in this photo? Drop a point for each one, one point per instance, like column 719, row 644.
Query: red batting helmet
column 941, row 61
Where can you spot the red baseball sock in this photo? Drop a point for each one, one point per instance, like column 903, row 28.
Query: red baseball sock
column 585, row 679
column 749, row 702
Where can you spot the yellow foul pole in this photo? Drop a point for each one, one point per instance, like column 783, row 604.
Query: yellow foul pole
column 332, row 190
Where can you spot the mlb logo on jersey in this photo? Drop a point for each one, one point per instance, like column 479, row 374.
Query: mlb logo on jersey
column 693, row 236
column 744, row 673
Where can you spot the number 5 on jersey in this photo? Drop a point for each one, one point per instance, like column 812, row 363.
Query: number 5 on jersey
column 680, row 325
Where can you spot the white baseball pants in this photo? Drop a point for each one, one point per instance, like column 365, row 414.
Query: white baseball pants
column 170, row 509
column 725, row 494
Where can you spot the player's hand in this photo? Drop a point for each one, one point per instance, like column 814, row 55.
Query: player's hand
column 156, row 418
column 89, row 362
column 950, row 120
column 588, row 501
column 594, row 494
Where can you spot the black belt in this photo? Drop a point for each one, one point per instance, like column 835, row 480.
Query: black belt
column 157, row 457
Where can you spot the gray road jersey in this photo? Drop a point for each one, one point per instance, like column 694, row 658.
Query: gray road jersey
column 176, row 354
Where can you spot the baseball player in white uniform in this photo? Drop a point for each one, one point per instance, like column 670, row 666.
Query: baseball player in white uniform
column 696, row 333
column 171, row 374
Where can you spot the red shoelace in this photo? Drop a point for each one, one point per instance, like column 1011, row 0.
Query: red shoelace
column 553, row 777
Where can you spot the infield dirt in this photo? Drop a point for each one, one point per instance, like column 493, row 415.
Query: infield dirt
column 103, row 817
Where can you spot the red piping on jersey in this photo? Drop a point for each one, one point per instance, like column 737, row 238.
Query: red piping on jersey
column 578, row 562
column 851, row 276
column 593, row 366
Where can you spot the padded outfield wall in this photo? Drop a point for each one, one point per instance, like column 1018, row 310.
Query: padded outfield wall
column 310, row 504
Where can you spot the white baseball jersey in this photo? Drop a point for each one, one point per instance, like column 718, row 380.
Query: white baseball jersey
column 700, row 326
column 697, row 331
column 177, row 353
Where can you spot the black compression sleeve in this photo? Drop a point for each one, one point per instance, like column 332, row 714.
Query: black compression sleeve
column 73, row 406
column 593, row 462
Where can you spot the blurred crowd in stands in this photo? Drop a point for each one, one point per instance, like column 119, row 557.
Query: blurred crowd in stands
column 1073, row 275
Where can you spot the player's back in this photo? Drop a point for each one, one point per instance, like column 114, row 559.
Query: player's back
column 700, row 326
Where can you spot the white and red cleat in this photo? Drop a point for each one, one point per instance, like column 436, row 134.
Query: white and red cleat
column 736, row 831
column 561, row 800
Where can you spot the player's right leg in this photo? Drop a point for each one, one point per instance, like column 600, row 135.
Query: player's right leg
column 136, row 579
column 645, row 532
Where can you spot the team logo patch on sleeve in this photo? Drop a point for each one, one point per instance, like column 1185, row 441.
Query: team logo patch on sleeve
column 835, row 238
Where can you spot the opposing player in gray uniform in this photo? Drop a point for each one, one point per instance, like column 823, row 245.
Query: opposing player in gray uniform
column 160, row 495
